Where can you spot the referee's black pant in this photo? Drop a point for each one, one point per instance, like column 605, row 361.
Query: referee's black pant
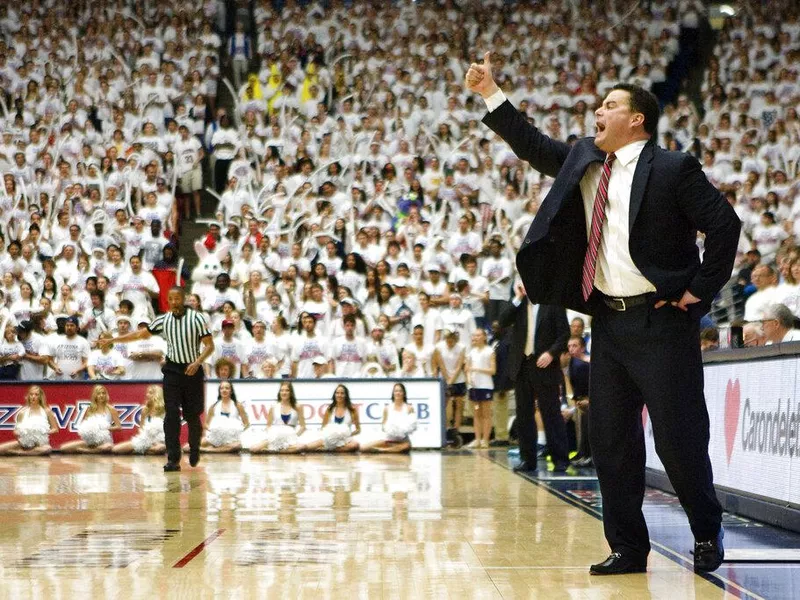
column 648, row 356
column 182, row 393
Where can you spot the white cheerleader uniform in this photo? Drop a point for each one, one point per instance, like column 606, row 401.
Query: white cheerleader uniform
column 150, row 434
column 32, row 428
column 282, row 434
column 338, row 431
column 226, row 427
column 94, row 430
column 400, row 424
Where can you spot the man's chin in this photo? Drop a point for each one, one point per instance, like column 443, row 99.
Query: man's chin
column 600, row 141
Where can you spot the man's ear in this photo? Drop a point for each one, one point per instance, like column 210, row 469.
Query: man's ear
column 637, row 119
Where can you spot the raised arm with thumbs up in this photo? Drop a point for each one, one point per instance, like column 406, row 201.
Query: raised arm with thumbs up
column 479, row 77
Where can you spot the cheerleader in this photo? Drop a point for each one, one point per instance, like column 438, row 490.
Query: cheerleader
column 284, row 424
column 481, row 367
column 224, row 424
column 34, row 426
column 96, row 425
column 399, row 422
column 339, row 424
column 150, row 438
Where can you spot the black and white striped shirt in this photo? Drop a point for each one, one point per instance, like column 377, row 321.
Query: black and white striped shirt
column 183, row 334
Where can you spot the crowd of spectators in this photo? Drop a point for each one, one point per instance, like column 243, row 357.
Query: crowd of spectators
column 748, row 139
column 363, row 214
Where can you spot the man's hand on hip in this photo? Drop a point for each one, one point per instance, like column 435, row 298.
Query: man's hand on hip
column 682, row 304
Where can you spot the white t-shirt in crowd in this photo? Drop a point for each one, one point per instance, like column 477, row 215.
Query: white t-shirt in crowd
column 69, row 354
column 145, row 369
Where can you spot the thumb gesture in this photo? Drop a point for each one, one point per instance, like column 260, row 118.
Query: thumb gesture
column 487, row 63
column 479, row 77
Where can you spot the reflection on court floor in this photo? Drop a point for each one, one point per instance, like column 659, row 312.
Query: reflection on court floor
column 428, row 525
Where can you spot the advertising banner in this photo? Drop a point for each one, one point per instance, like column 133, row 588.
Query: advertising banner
column 69, row 402
column 369, row 396
column 755, row 428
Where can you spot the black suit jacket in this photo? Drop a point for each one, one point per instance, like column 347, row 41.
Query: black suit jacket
column 671, row 200
column 552, row 333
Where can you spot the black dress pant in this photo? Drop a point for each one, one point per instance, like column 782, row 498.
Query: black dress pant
column 182, row 394
column 649, row 356
column 542, row 385
column 221, row 168
column 584, row 447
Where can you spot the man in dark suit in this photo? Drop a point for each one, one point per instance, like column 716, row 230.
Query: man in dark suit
column 616, row 238
column 539, row 337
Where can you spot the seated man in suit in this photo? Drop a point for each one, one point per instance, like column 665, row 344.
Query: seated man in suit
column 578, row 374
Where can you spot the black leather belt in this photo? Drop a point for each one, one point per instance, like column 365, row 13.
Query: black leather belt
column 622, row 304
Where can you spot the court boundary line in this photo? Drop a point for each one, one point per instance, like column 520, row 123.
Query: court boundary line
column 198, row 549
column 665, row 551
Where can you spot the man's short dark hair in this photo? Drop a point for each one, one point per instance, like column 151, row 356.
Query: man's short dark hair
column 578, row 339
column 642, row 101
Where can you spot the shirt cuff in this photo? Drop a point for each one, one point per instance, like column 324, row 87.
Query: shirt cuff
column 495, row 100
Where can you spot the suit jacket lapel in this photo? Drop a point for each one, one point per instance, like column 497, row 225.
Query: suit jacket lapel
column 640, row 177
column 593, row 154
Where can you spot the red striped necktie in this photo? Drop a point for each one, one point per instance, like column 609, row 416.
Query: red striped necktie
column 596, row 233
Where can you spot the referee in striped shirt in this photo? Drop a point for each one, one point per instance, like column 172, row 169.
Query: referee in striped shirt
column 189, row 344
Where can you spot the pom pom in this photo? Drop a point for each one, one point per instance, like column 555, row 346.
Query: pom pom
column 399, row 427
column 155, row 430
column 224, row 431
column 141, row 442
column 94, row 431
column 33, row 432
column 281, row 437
column 335, row 435
column 151, row 433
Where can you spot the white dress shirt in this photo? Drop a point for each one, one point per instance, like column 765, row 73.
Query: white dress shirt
column 616, row 274
column 532, row 311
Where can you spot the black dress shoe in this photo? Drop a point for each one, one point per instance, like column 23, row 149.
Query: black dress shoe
column 194, row 456
column 618, row 564
column 498, row 443
column 524, row 467
column 708, row 556
column 170, row 467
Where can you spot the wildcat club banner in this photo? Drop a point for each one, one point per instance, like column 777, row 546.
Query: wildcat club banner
column 369, row 396
column 69, row 402
column 755, row 427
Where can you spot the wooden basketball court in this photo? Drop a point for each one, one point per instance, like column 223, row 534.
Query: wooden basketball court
column 428, row 525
